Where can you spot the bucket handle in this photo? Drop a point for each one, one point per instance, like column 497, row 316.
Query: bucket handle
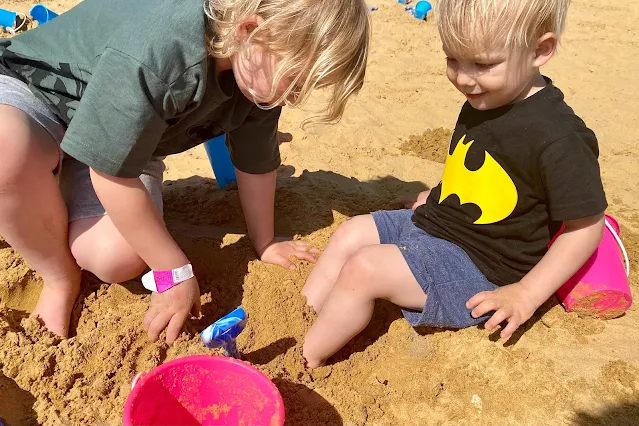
column 135, row 379
column 12, row 30
column 621, row 246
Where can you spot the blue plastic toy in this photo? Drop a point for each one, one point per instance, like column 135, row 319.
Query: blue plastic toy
column 7, row 18
column 223, row 332
column 421, row 9
column 42, row 14
column 220, row 160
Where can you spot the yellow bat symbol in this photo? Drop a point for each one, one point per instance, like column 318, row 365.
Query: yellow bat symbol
column 489, row 187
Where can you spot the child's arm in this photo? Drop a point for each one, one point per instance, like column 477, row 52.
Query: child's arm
column 257, row 195
column 131, row 209
column 517, row 302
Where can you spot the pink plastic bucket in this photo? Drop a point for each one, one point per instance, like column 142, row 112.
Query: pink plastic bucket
column 204, row 390
column 600, row 288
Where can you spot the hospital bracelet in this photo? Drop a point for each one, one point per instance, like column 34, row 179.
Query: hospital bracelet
column 161, row 281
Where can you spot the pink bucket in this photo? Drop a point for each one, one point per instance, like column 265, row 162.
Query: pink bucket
column 600, row 288
column 204, row 390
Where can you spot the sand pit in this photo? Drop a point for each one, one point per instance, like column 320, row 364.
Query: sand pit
column 559, row 369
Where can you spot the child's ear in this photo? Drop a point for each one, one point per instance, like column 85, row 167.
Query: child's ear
column 247, row 26
column 546, row 46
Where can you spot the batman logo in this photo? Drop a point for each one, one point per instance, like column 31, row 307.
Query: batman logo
column 489, row 187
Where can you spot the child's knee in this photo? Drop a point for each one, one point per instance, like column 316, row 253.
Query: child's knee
column 358, row 270
column 119, row 268
column 111, row 261
column 350, row 232
column 25, row 147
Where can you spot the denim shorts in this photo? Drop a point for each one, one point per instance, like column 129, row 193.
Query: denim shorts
column 443, row 270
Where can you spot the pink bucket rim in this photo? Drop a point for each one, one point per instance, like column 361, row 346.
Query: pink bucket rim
column 614, row 222
column 128, row 409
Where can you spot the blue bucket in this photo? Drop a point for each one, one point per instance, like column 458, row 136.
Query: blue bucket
column 7, row 18
column 220, row 160
column 421, row 10
column 42, row 14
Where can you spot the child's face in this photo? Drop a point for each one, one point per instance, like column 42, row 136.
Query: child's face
column 255, row 76
column 492, row 79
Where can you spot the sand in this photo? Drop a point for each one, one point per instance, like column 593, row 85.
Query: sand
column 559, row 368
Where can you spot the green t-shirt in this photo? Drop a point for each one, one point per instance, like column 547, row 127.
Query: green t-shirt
column 132, row 79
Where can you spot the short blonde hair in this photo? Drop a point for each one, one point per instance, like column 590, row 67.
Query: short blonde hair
column 468, row 27
column 321, row 43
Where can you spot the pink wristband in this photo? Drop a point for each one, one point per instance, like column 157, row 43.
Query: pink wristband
column 161, row 281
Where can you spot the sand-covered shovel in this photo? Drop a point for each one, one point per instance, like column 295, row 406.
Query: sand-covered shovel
column 223, row 332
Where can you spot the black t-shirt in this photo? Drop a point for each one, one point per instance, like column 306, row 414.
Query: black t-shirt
column 512, row 176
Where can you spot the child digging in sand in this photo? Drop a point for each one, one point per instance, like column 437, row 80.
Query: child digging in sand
column 113, row 86
column 520, row 165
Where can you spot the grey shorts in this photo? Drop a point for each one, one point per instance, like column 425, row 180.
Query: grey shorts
column 75, row 181
column 443, row 270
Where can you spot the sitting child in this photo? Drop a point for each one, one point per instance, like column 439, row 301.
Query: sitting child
column 520, row 165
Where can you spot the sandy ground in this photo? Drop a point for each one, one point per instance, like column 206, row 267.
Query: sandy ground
column 558, row 370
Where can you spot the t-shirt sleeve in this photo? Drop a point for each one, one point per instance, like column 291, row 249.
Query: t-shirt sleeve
column 121, row 117
column 572, row 179
column 253, row 146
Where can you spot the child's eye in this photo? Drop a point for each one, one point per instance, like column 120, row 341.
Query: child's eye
column 484, row 67
column 450, row 60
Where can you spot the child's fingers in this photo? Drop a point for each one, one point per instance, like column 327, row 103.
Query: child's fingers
column 308, row 247
column 513, row 324
column 484, row 307
column 175, row 326
column 283, row 262
column 150, row 315
column 497, row 318
column 158, row 324
column 305, row 255
column 477, row 299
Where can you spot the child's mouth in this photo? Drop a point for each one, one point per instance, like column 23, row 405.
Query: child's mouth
column 474, row 95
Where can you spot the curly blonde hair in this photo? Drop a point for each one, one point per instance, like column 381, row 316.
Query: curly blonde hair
column 467, row 27
column 321, row 43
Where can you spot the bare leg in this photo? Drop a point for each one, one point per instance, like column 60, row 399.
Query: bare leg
column 374, row 272
column 33, row 216
column 99, row 247
column 350, row 237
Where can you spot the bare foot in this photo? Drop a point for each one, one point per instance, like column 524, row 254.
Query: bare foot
column 55, row 305
column 311, row 362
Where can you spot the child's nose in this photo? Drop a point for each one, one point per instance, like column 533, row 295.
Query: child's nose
column 464, row 79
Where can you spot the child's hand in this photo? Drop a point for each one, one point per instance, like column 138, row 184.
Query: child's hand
column 279, row 251
column 511, row 303
column 171, row 308
column 413, row 201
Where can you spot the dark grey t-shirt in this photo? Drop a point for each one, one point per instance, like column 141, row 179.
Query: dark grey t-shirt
column 132, row 79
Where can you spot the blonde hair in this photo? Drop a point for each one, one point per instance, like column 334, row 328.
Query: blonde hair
column 468, row 27
column 321, row 43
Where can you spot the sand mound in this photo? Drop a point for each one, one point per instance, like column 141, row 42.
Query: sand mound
column 558, row 369
column 390, row 374
column 431, row 145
